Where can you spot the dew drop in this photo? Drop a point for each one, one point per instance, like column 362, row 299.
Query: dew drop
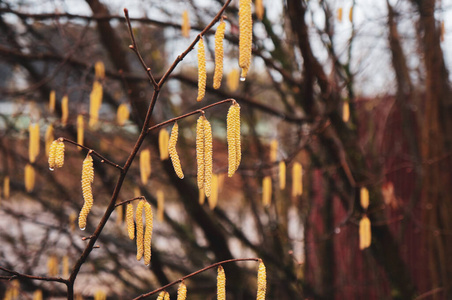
column 83, row 228
column 242, row 78
column 337, row 230
column 147, row 265
column 52, row 169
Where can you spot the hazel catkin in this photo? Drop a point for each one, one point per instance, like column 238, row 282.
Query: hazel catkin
column 221, row 284
column 145, row 165
column 261, row 281
column 202, row 73
column 64, row 110
column 282, row 175
column 163, row 144
column 29, row 178
column 200, row 151
column 122, row 114
column 365, row 233
column 182, row 291
column 208, row 159
column 140, row 229
column 245, row 36
column 148, row 233
column 129, row 221
column 87, row 180
column 33, row 149
column 297, row 179
column 80, row 130
column 49, row 138
column 219, row 52
column 95, row 103
column 185, row 24
column 266, row 190
column 364, row 198
column 52, row 101
column 173, row 152
column 233, row 137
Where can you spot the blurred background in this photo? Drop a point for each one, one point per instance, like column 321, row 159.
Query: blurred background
column 357, row 92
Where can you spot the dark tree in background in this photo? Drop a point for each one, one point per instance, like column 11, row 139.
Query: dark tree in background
column 386, row 63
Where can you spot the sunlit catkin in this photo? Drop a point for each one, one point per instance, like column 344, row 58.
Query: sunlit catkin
column 87, row 180
column 365, row 233
column 202, row 73
column 167, row 296
column 99, row 70
column 200, row 151
column 29, row 178
column 72, row 219
column 350, row 14
column 185, row 28
column 233, row 80
column 64, row 110
column 266, row 190
column 119, row 214
column 65, row 263
column 202, row 196
column 6, row 187
column 221, row 284
column 100, row 295
column 122, row 115
column 52, row 100
column 282, row 175
column 148, row 233
column 52, row 265
column 273, row 150
column 339, row 14
column 140, row 229
column 173, row 152
column 33, row 148
column 213, row 199
column 129, row 221
column 364, row 198
column 234, row 139
column 162, row 295
column 163, row 144
column 259, row 8
column 49, row 138
column 182, row 291
column 37, row 295
column 297, row 179
column 95, row 102
column 80, row 130
column 59, row 154
column 261, row 281
column 219, row 52
column 145, row 165
column 160, row 205
column 245, row 36
column 208, row 159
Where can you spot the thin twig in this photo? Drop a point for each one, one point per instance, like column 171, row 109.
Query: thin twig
column 195, row 273
column 134, row 47
column 102, row 158
column 129, row 200
column 42, row 278
column 201, row 110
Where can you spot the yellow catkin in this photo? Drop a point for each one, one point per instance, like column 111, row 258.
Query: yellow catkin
column 162, row 295
column 350, row 14
column 33, row 147
column 173, row 152
column 100, row 295
column 364, row 198
column 273, row 150
column 119, row 213
column 221, row 284
column 15, row 287
column 95, row 102
column 65, row 263
column 129, row 221
column 72, row 219
column 185, row 24
column 365, row 233
column 148, row 233
column 64, row 110
column 259, row 8
column 282, row 175
column 99, row 70
column 122, row 115
column 160, row 205
column 221, row 177
column 52, row 101
column 245, row 36
column 219, row 52
column 6, row 188
column 202, row 196
column 167, row 296
column 266, row 190
column 29, row 178
column 87, row 180
column 163, row 144
column 233, row 80
column 80, row 130
column 339, row 14
column 202, row 73
column 37, row 295
column 261, row 281
column 233, row 137
column 345, row 112
column 78, row 297
column 52, row 265
column 182, row 291
column 200, row 151
column 59, row 154
column 208, row 159
column 297, row 179
column 145, row 165
column 52, row 154
column 140, row 229
column 213, row 199
column 49, row 138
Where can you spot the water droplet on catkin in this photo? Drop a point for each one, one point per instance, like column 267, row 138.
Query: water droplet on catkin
column 83, row 228
column 242, row 78
column 52, row 169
